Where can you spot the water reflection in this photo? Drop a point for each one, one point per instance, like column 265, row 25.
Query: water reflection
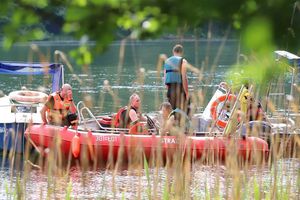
column 205, row 181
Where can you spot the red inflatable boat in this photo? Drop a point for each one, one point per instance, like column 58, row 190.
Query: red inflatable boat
column 107, row 144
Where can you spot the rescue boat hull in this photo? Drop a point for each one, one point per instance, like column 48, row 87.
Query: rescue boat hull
column 105, row 146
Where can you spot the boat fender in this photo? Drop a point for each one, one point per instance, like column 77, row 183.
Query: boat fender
column 76, row 145
column 28, row 96
column 90, row 143
column 214, row 106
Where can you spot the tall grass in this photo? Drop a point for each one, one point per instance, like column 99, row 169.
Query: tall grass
column 178, row 176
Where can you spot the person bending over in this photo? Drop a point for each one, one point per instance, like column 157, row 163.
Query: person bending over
column 59, row 108
column 174, row 121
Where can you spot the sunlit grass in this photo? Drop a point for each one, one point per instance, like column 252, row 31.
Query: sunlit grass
column 180, row 176
column 175, row 180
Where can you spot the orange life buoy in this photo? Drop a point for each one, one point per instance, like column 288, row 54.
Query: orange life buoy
column 28, row 96
column 214, row 106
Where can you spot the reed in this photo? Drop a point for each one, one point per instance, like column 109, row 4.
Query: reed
column 179, row 176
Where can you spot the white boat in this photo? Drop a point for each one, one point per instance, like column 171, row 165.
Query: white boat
column 22, row 107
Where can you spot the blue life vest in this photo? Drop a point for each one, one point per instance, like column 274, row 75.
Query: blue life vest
column 172, row 67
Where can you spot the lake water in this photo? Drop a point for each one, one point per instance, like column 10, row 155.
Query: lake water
column 280, row 181
column 136, row 73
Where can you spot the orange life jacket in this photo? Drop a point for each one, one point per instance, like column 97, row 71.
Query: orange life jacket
column 122, row 119
column 117, row 119
column 60, row 108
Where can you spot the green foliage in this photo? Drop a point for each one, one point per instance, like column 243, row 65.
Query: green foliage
column 82, row 55
column 207, row 192
column 257, row 36
column 10, row 193
column 256, row 190
column 259, row 72
column 39, row 3
column 263, row 24
column 268, row 196
column 69, row 190
column 166, row 195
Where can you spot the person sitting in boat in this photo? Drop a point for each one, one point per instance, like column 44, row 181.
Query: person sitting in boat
column 59, row 108
column 255, row 111
column 226, row 111
column 254, row 115
column 126, row 117
column 249, row 107
column 174, row 121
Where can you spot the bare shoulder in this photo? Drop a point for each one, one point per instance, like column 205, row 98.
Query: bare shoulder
column 185, row 63
column 163, row 57
column 132, row 111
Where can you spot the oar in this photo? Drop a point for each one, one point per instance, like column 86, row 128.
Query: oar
column 232, row 123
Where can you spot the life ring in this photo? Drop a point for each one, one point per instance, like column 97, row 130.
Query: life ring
column 214, row 106
column 28, row 96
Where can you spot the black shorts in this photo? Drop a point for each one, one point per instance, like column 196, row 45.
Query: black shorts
column 176, row 96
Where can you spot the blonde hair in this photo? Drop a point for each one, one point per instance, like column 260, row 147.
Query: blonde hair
column 166, row 105
column 132, row 97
